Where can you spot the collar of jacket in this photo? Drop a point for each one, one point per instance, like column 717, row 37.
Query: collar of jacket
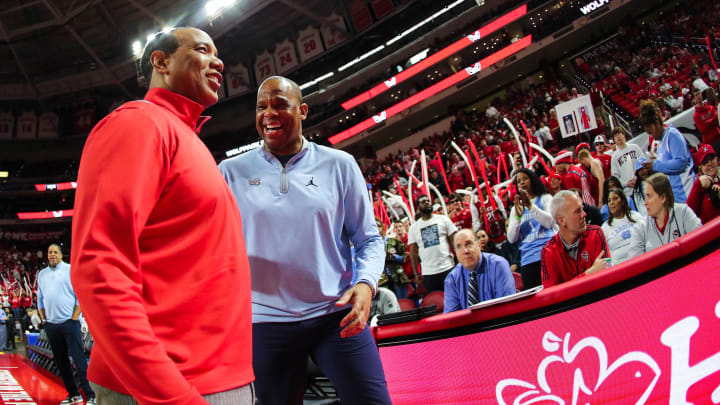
column 187, row 110
column 270, row 157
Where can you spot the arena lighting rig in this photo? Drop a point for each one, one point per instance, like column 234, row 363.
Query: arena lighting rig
column 432, row 90
column 437, row 57
column 213, row 9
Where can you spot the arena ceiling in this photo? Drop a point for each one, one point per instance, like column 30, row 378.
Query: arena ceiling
column 49, row 45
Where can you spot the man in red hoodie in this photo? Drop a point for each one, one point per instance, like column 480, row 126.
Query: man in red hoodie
column 158, row 251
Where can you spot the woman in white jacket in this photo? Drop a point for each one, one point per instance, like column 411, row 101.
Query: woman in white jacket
column 666, row 220
column 619, row 227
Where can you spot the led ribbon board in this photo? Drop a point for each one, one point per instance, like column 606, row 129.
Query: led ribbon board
column 45, row 214
column 432, row 90
column 59, row 186
column 436, row 57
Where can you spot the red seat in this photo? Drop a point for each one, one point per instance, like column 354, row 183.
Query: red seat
column 434, row 298
column 406, row 304
column 518, row 281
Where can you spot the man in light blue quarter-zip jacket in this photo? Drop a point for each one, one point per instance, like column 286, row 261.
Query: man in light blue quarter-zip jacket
column 302, row 206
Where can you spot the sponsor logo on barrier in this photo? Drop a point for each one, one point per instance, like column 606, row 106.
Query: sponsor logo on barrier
column 644, row 369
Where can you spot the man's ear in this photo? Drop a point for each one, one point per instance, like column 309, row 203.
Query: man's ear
column 303, row 110
column 159, row 61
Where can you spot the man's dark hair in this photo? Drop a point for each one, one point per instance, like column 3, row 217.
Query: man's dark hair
column 163, row 41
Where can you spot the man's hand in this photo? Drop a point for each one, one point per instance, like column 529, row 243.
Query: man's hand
column 359, row 296
column 631, row 182
column 598, row 265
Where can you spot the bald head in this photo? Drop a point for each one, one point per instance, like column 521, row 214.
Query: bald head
column 289, row 86
column 467, row 249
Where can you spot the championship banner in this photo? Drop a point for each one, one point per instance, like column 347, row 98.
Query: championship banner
column 7, row 125
column 285, row 56
column 309, row 43
column 576, row 116
column 360, row 15
column 264, row 66
column 83, row 119
column 333, row 37
column 237, row 79
column 656, row 343
column 381, row 8
column 27, row 125
column 49, row 125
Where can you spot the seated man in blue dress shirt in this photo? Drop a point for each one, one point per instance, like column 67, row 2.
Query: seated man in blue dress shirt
column 478, row 277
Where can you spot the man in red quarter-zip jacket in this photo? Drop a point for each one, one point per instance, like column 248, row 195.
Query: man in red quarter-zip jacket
column 577, row 249
column 157, row 231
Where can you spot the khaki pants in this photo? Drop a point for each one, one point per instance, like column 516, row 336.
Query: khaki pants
column 244, row 395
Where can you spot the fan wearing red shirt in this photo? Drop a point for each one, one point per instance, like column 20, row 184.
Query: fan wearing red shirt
column 159, row 265
column 459, row 214
column 706, row 120
column 577, row 249
column 603, row 153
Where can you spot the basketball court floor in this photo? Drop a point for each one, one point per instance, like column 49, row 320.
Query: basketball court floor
column 25, row 383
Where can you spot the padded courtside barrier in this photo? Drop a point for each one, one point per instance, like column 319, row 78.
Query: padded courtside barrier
column 625, row 330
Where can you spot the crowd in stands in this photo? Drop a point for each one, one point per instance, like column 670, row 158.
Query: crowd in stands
column 662, row 59
column 18, row 274
column 607, row 202
column 588, row 208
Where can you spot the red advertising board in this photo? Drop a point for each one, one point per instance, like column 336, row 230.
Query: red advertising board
column 656, row 343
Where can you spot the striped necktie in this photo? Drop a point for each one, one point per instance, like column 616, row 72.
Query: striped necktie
column 473, row 296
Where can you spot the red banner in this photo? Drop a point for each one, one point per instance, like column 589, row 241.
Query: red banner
column 656, row 343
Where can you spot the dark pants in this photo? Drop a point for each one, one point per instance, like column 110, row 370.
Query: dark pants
column 10, row 325
column 530, row 275
column 436, row 282
column 280, row 358
column 66, row 339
